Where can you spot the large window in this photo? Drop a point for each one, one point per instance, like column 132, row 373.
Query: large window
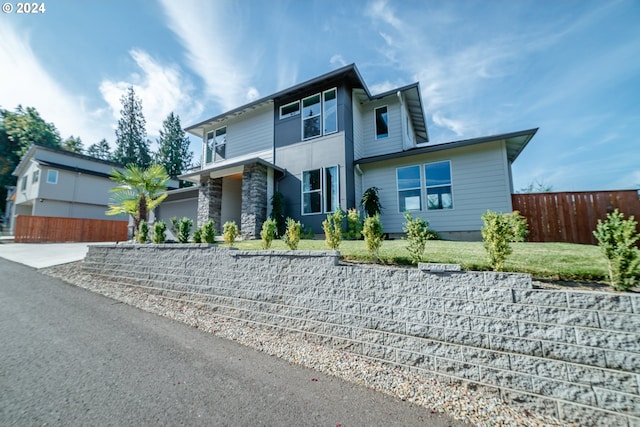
column 36, row 176
column 330, row 111
column 409, row 188
column 319, row 113
column 311, row 117
column 52, row 176
column 382, row 122
column 320, row 190
column 438, row 179
column 216, row 146
column 221, row 143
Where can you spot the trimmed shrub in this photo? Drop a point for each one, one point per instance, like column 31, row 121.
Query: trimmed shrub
column 332, row 227
column 291, row 236
column 496, row 235
column 417, row 230
column 269, row 232
column 197, row 235
column 617, row 239
column 208, row 232
column 230, row 232
column 142, row 236
column 519, row 227
column 354, row 224
column 159, row 232
column 373, row 235
column 182, row 228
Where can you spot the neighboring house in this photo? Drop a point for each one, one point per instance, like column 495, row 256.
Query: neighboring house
column 59, row 183
column 323, row 142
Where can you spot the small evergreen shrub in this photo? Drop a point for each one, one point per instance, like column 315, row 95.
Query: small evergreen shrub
column 277, row 212
column 208, row 232
column 332, row 227
column 617, row 239
column 269, row 232
column 197, row 235
column 159, row 232
column 354, row 225
column 291, row 236
column 182, row 228
column 142, row 236
column 496, row 235
column 373, row 235
column 417, row 230
column 519, row 226
column 230, row 232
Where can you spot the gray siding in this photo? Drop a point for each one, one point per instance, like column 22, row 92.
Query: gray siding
column 480, row 181
column 316, row 153
column 393, row 143
column 358, row 142
column 248, row 133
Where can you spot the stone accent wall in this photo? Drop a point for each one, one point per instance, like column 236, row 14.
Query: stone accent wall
column 210, row 202
column 254, row 200
column 571, row 354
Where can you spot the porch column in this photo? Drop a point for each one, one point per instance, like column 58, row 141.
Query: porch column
column 210, row 202
column 254, row 200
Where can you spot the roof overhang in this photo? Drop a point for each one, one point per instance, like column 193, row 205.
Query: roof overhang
column 227, row 169
column 514, row 142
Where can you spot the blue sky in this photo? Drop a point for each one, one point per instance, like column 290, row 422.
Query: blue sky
column 571, row 68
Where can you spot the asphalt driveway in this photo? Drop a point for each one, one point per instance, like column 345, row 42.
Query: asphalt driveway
column 73, row 357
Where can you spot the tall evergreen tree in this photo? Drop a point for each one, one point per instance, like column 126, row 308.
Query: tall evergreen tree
column 100, row 150
column 73, row 144
column 173, row 147
column 132, row 146
column 18, row 130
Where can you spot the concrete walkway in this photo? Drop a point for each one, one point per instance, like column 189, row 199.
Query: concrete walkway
column 41, row 255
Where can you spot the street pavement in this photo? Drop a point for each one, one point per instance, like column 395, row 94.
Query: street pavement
column 72, row 357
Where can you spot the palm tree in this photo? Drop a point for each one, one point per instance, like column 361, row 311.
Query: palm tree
column 139, row 191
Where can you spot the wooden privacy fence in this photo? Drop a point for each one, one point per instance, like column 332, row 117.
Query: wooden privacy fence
column 572, row 217
column 40, row 229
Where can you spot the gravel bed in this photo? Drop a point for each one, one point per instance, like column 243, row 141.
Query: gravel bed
column 463, row 402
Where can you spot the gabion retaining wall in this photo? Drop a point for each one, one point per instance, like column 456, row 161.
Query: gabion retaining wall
column 570, row 354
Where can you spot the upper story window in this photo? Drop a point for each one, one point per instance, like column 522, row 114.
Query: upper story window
column 319, row 113
column 36, row 176
column 409, row 188
column 23, row 183
column 311, row 117
column 290, row 110
column 330, row 111
column 438, row 179
column 216, row 146
column 52, row 176
column 382, row 122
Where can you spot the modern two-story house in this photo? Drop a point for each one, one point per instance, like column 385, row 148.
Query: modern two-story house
column 323, row 142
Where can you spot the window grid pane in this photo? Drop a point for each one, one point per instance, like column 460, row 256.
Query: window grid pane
column 409, row 188
column 331, row 189
column 311, row 191
column 382, row 123
column 330, row 112
column 438, row 183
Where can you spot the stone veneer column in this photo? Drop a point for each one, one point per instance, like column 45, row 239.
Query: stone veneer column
column 254, row 200
column 210, row 202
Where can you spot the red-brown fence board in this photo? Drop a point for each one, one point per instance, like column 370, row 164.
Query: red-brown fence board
column 41, row 229
column 572, row 217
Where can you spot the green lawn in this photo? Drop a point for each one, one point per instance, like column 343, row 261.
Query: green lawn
column 556, row 261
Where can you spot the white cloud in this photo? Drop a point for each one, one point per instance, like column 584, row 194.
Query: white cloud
column 380, row 10
column 162, row 89
column 458, row 127
column 213, row 49
column 338, row 60
column 26, row 81
column 387, row 38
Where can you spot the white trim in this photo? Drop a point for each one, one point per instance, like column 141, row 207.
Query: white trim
column 292, row 114
column 302, row 192
column 56, row 175
column 303, row 118
column 216, row 144
column 324, row 112
column 375, row 124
